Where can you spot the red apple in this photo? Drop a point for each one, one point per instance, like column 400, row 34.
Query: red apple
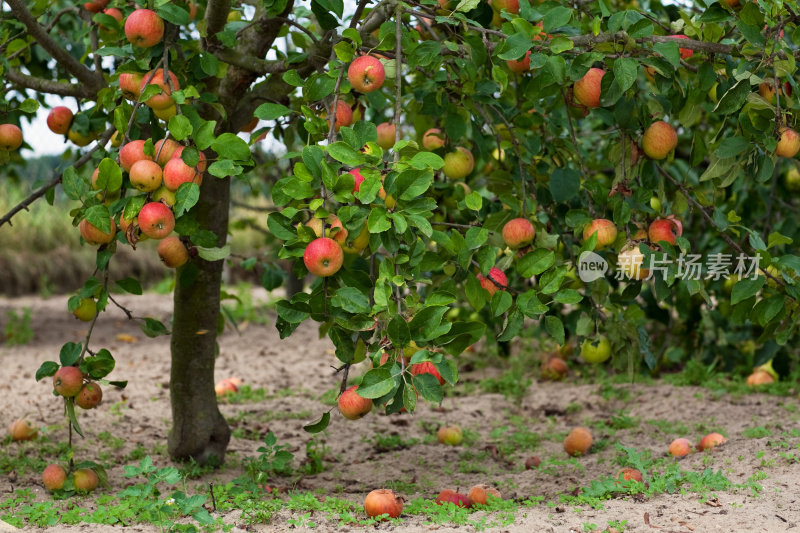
column 358, row 179
column 630, row 474
column 10, row 137
column 680, row 448
column 451, row 496
column 96, row 6
column 131, row 153
column 173, row 252
column 554, row 369
column 450, row 435
column 53, row 477
column 164, row 149
column 366, row 74
column 386, row 133
column 323, row 257
column 788, row 144
column 68, row 381
column 131, row 85
column 458, row 164
column 176, row 173
column 111, row 34
column 630, row 260
column 146, row 175
column 144, row 28
column 426, row 368
column 518, row 66
column 167, row 84
column 433, row 139
column 605, row 229
column 479, row 494
column 712, row 440
column 351, row 405
column 156, row 220
column 498, row 276
column 89, row 396
column 512, row 6
column 344, row 115
column 578, row 442
column 22, row 429
column 659, row 140
column 225, row 386
column 518, row 232
column 587, row 89
column 686, row 53
column 383, row 501
column 331, row 223
column 85, row 480
column 532, row 462
column 661, row 229
column 93, row 235
column 59, row 119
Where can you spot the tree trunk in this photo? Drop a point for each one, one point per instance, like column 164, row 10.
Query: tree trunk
column 199, row 431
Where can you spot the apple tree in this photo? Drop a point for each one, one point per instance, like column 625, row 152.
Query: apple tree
column 454, row 171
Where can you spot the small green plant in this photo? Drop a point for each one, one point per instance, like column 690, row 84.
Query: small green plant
column 273, row 459
column 387, row 443
column 758, row 432
column 510, row 384
column 18, row 327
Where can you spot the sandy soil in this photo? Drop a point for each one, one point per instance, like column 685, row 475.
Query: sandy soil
column 295, row 372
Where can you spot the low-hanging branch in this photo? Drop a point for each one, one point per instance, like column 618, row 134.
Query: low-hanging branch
column 76, row 90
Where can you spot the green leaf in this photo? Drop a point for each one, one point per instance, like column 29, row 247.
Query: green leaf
column 180, row 127
column 29, row 105
column 293, row 312
column 129, row 285
column 515, row 46
column 556, row 18
column 186, row 197
column 625, row 70
column 109, row 176
column 292, row 78
column 174, row 14
column 398, row 331
column 74, row 186
column 536, row 262
column 351, row 300
column 343, row 153
column 501, row 301
column 751, row 14
column 555, row 328
column 745, row 288
column 428, row 387
column 47, row 369
column 70, row 405
column 318, row 425
column 100, row 365
column 561, row 44
column 376, row 383
column 776, row 239
column 98, row 216
column 70, row 353
column 224, row 168
column 270, row 111
column 564, row 184
column 474, row 201
column 204, row 135
column 734, row 98
column 230, row 146
column 423, row 160
column 214, row 254
column 670, row 51
column 153, row 328
column 732, row 146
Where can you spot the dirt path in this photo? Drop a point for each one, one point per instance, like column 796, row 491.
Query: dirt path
column 760, row 457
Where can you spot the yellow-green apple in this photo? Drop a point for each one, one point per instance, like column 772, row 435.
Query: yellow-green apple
column 630, row 260
column 86, row 310
column 512, row 6
column 167, row 84
column 156, row 220
column 163, row 150
column 357, row 245
column 680, row 448
column 53, row 477
column 433, row 139
column 116, row 139
column 596, row 351
column 518, row 66
column 450, row 435
column 555, row 369
column 22, row 429
column 768, row 368
column 146, row 175
column 323, row 257
column 759, row 377
column 686, row 53
column 85, row 480
column 67, row 381
column 78, row 138
column 388, row 199
column 95, row 7
column 110, row 34
column 93, row 235
column 89, row 396
column 479, row 494
column 164, row 195
column 586, row 90
column 201, row 158
column 458, row 164
column 659, row 140
column 131, row 153
column 605, row 229
column 176, row 173
column 10, row 137
column 333, row 228
column 144, row 28
column 664, row 229
column 792, row 179
column 386, row 132
column 497, row 280
column 351, row 405
column 59, row 119
column 130, row 83
column 578, row 442
column 426, row 367
column 788, row 143
column 518, row 232
column 166, row 113
column 173, row 252
column 366, row 74
column 712, row 440
column 381, row 502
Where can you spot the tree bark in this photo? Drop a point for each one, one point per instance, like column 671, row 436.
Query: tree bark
column 199, row 431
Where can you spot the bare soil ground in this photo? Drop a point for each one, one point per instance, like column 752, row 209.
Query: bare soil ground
column 501, row 433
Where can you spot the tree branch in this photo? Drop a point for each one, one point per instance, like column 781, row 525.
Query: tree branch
column 261, row 67
column 93, row 80
column 49, row 86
